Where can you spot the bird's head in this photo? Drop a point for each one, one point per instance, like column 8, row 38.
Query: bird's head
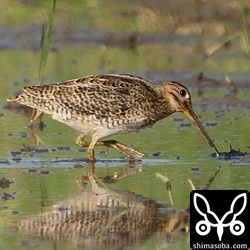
column 179, row 99
column 178, row 96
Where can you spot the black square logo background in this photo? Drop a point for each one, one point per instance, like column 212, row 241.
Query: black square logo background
column 220, row 202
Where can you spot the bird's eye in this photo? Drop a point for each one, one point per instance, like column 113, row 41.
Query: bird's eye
column 183, row 92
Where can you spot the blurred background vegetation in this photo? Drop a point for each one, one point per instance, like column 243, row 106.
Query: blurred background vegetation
column 159, row 40
column 142, row 37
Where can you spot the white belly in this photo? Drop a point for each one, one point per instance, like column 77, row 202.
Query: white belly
column 93, row 126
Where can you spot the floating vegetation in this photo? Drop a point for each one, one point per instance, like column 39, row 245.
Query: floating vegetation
column 165, row 179
column 6, row 196
column 4, row 183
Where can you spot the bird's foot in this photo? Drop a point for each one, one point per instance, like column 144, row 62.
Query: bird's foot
column 122, row 148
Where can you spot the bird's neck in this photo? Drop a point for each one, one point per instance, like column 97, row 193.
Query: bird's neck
column 162, row 106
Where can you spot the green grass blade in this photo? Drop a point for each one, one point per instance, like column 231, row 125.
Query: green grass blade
column 110, row 222
column 114, row 196
column 45, row 43
column 221, row 42
column 245, row 34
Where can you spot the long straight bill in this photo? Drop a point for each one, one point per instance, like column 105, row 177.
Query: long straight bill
column 193, row 118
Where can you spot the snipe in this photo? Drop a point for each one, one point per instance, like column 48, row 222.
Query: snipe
column 104, row 105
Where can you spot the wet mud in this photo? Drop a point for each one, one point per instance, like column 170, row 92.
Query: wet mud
column 234, row 155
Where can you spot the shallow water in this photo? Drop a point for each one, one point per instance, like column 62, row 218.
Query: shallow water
column 43, row 179
column 45, row 176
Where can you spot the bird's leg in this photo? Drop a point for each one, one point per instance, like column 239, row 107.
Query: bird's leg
column 90, row 145
column 80, row 142
column 122, row 148
column 35, row 114
column 91, row 152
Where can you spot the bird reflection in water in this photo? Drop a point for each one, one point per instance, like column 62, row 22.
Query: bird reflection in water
column 98, row 217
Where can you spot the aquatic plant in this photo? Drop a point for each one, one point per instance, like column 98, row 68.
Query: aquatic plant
column 45, row 43
column 242, row 33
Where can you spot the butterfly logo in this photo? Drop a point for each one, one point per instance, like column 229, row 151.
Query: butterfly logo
column 203, row 227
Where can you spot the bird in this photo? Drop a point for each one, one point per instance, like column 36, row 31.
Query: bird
column 110, row 104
